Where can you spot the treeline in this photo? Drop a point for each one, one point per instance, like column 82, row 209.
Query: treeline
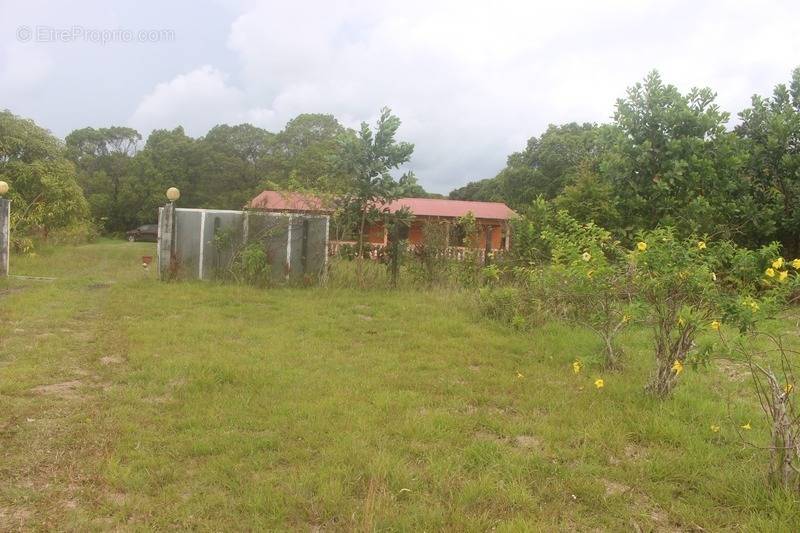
column 224, row 169
column 667, row 159
column 115, row 180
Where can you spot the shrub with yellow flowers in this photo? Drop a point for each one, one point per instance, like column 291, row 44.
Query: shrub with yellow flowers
column 587, row 281
column 692, row 287
column 674, row 281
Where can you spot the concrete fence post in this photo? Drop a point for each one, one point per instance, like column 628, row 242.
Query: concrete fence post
column 5, row 235
column 166, row 241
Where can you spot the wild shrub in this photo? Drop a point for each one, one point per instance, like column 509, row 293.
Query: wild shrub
column 588, row 281
column 512, row 306
column 688, row 286
column 251, row 266
column 430, row 253
column 772, row 369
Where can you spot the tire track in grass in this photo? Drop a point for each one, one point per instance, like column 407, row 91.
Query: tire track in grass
column 52, row 439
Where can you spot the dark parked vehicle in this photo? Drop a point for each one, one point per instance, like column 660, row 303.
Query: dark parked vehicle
column 147, row 232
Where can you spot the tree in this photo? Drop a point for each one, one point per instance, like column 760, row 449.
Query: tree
column 43, row 182
column 590, row 198
column 673, row 162
column 368, row 159
column 771, row 130
column 231, row 163
column 105, row 161
column 544, row 168
column 307, row 155
column 409, row 187
column 169, row 159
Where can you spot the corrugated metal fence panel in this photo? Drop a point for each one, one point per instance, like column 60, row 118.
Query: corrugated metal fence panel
column 187, row 241
column 222, row 236
column 317, row 246
column 207, row 240
column 296, row 239
column 271, row 230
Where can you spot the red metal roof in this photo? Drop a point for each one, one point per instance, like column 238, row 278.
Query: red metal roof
column 289, row 201
column 434, row 207
column 426, row 207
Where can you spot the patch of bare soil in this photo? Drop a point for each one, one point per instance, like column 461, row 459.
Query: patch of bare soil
column 66, row 389
column 490, row 437
column 527, row 442
column 10, row 290
column 613, row 488
column 732, row 370
column 111, row 360
column 634, row 452
column 657, row 517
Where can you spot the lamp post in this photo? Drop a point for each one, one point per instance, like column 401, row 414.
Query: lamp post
column 173, row 194
column 166, row 236
column 5, row 234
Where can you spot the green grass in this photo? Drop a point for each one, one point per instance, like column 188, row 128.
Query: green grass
column 126, row 403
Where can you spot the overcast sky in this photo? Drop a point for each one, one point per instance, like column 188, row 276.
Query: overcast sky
column 470, row 81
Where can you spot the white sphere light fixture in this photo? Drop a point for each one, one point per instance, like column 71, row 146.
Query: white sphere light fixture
column 3, row 188
column 173, row 194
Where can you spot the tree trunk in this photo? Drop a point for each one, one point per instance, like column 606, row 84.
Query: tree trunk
column 360, row 258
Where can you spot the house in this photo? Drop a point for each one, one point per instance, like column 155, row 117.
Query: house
column 492, row 218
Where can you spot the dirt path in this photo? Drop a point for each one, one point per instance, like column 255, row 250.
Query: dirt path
column 54, row 368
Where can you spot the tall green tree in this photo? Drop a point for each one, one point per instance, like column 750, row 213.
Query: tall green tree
column 673, row 162
column 232, row 162
column 168, row 159
column 771, row 130
column 368, row 159
column 544, row 168
column 44, row 190
column 308, row 154
column 105, row 161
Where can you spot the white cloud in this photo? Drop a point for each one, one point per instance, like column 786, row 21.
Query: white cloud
column 197, row 101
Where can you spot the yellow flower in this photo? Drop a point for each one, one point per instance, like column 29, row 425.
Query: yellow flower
column 677, row 366
column 714, row 428
column 747, row 426
column 782, row 275
column 796, row 263
column 587, row 256
column 641, row 246
column 576, row 366
column 701, row 245
column 590, row 274
column 519, row 375
column 754, row 305
column 715, row 325
column 681, row 321
column 713, row 276
column 778, row 263
column 625, row 318
column 599, row 383
column 788, row 388
column 770, row 273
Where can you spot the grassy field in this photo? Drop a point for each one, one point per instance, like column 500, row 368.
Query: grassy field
column 126, row 403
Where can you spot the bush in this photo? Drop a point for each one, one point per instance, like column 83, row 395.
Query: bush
column 78, row 233
column 588, row 281
column 250, row 265
column 513, row 306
